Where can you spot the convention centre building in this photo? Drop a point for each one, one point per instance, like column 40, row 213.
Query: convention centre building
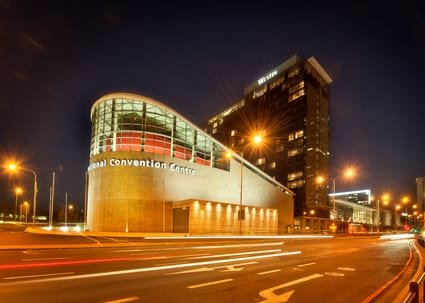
column 152, row 170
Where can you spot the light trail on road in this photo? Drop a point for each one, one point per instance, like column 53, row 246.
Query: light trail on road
column 147, row 269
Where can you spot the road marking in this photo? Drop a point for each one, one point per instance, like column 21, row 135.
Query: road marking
column 307, row 264
column 269, row 272
column 205, row 269
column 39, row 276
column 209, row 283
column 346, row 268
column 129, row 299
column 334, row 274
column 232, row 268
column 271, row 297
column 282, row 298
column 238, row 245
column 239, row 254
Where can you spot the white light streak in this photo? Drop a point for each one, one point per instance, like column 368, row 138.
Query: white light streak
column 149, row 269
column 239, row 254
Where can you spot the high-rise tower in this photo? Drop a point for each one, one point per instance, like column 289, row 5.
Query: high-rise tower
column 289, row 105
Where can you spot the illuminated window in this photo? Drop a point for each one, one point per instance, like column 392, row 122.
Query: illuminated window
column 258, row 93
column 233, row 133
column 296, row 95
column 261, row 161
column 299, row 134
column 295, row 175
column 294, row 72
column 295, row 151
column 276, row 83
column 296, row 135
column 296, row 184
column 272, row 165
column 296, row 87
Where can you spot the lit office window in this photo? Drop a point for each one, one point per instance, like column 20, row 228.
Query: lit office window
column 296, row 87
column 296, row 95
column 295, row 175
column 296, row 184
column 295, row 151
column 296, row 135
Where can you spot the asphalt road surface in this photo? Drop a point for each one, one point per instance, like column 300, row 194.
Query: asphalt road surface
column 198, row 270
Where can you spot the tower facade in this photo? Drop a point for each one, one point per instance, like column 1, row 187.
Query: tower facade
column 289, row 107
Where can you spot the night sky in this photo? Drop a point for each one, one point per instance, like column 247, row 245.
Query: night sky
column 58, row 57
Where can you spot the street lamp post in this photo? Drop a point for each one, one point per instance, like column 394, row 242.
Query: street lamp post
column 66, row 208
column 18, row 191
column 14, row 167
column 241, row 214
column 405, row 201
column 349, row 173
column 320, row 180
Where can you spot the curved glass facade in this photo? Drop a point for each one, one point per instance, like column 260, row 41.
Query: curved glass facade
column 152, row 170
column 133, row 123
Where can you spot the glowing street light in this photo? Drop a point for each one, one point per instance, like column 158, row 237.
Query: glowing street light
column 405, row 200
column 349, row 173
column 18, row 191
column 14, row 167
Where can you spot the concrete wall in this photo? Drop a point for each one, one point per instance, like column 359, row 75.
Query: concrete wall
column 139, row 198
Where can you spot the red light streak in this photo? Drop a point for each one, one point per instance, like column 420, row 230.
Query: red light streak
column 70, row 262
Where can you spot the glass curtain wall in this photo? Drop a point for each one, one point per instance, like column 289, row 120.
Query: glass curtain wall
column 122, row 124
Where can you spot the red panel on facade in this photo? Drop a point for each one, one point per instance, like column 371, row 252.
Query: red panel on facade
column 183, row 153
column 128, row 141
column 203, row 161
column 157, row 144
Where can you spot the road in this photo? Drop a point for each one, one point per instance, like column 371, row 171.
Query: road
column 200, row 270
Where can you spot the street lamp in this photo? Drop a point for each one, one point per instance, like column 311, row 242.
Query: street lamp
column 349, row 173
column 256, row 140
column 18, row 191
column 321, row 180
column 14, row 167
column 70, row 207
column 405, row 200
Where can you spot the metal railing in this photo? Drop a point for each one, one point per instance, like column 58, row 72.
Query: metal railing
column 416, row 290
